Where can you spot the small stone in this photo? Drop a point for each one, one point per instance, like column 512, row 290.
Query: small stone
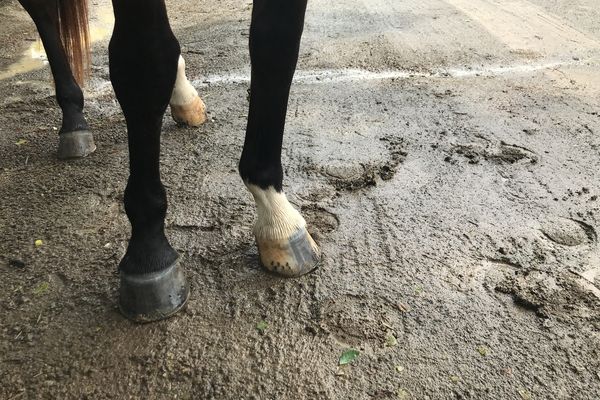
column 403, row 394
column 483, row 350
column 16, row 263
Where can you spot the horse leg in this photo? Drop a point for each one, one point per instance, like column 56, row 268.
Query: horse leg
column 143, row 54
column 75, row 139
column 284, row 244
column 187, row 107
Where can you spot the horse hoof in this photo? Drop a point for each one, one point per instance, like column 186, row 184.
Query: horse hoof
column 192, row 114
column 153, row 296
column 75, row 144
column 291, row 257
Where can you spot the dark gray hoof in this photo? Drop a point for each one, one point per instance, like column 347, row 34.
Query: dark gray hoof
column 291, row 257
column 154, row 296
column 75, row 144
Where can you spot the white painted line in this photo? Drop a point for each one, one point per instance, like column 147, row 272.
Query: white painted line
column 354, row 75
column 100, row 87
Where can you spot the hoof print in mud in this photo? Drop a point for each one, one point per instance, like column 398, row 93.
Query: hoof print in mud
column 153, row 296
column 292, row 257
column 504, row 153
column 76, row 144
column 355, row 176
column 568, row 232
column 319, row 220
column 510, row 154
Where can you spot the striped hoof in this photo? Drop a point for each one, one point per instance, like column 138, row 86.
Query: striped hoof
column 291, row 257
column 75, row 144
column 154, row 296
column 191, row 114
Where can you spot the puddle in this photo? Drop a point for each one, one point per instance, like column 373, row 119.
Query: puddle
column 101, row 25
column 32, row 59
column 102, row 21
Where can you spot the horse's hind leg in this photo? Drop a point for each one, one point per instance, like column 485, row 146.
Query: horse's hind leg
column 187, row 107
column 75, row 140
column 284, row 244
column 143, row 56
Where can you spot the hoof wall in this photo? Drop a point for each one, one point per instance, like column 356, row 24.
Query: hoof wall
column 193, row 114
column 291, row 257
column 76, row 144
column 154, row 296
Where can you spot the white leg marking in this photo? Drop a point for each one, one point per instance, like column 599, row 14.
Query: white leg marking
column 183, row 92
column 277, row 218
column 186, row 106
column 284, row 244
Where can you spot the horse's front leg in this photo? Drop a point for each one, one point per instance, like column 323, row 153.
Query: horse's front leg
column 143, row 54
column 52, row 17
column 284, row 244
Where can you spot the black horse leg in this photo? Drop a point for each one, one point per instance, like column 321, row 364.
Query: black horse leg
column 75, row 140
column 143, row 55
column 284, row 244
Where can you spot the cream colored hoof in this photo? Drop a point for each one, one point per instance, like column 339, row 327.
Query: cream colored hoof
column 295, row 256
column 186, row 106
column 191, row 114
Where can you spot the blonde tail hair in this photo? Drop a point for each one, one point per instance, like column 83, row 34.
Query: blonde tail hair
column 75, row 37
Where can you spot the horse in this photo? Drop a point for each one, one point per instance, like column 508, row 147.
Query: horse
column 147, row 73
column 67, row 48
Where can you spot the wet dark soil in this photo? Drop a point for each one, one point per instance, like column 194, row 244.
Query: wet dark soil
column 457, row 213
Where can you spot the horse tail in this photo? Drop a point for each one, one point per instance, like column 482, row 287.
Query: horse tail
column 75, row 37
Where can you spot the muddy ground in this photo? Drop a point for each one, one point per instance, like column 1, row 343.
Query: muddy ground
column 446, row 154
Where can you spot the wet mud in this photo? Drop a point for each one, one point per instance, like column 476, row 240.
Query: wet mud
column 446, row 164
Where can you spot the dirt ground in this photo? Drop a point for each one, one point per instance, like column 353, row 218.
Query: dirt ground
column 446, row 154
